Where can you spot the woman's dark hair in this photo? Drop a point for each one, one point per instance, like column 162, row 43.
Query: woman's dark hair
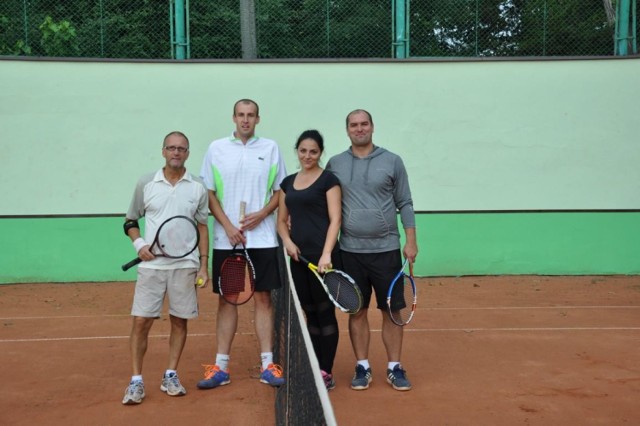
column 311, row 134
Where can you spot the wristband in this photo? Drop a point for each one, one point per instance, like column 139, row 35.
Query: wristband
column 139, row 243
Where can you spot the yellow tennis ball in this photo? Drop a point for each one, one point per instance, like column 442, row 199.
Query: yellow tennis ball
column 200, row 282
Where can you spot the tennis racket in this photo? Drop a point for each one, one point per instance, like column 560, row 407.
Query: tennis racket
column 237, row 280
column 340, row 287
column 402, row 297
column 176, row 238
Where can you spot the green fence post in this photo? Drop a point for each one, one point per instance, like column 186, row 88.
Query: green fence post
column 178, row 33
column 622, row 28
column 101, row 29
column 25, row 23
column 634, row 28
column 400, row 33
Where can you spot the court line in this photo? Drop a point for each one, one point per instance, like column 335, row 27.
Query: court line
column 472, row 329
column 488, row 308
column 59, row 339
column 507, row 308
column 85, row 316
column 409, row 330
column 65, row 317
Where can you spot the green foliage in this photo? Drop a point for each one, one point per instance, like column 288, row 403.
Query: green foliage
column 58, row 38
column 307, row 28
column 17, row 48
column 215, row 29
column 509, row 28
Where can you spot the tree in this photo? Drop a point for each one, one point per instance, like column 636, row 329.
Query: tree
column 58, row 38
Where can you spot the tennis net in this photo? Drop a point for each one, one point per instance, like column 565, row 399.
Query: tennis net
column 303, row 400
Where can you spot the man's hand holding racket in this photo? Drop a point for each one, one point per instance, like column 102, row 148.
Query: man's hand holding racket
column 177, row 237
column 252, row 220
column 145, row 253
column 410, row 249
column 235, row 234
column 249, row 221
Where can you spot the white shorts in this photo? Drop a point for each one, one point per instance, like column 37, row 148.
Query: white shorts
column 177, row 284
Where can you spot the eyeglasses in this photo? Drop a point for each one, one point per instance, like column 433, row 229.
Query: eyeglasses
column 180, row 149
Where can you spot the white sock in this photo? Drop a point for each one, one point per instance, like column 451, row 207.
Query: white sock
column 364, row 363
column 392, row 365
column 267, row 358
column 222, row 361
column 137, row 378
column 168, row 373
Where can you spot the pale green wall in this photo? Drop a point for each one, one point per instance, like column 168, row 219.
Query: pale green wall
column 487, row 135
column 475, row 135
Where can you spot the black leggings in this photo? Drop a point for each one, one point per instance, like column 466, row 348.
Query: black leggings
column 320, row 312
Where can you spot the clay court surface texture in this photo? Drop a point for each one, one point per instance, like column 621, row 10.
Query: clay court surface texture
column 508, row 350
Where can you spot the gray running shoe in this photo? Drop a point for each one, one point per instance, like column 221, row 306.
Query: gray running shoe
column 171, row 385
column 361, row 378
column 134, row 393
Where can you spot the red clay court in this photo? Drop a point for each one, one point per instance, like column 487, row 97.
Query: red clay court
column 509, row 350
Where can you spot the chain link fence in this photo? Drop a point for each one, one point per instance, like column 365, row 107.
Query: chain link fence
column 310, row 28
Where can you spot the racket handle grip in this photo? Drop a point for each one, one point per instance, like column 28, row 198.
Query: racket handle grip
column 131, row 264
column 304, row 259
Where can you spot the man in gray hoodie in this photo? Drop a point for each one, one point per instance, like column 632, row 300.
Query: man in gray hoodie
column 375, row 186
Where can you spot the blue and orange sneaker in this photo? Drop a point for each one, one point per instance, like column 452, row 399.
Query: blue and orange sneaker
column 214, row 377
column 272, row 375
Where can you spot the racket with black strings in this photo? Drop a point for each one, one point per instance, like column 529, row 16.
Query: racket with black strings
column 402, row 296
column 340, row 287
column 237, row 280
column 177, row 237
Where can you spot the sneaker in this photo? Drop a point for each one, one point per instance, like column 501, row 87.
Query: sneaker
column 213, row 377
column 398, row 379
column 134, row 393
column 272, row 375
column 328, row 380
column 171, row 385
column 361, row 379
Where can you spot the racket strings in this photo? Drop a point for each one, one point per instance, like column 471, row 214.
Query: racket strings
column 402, row 301
column 343, row 290
column 237, row 279
column 177, row 237
column 234, row 275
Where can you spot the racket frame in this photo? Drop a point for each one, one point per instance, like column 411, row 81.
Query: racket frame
column 314, row 269
column 156, row 240
column 400, row 278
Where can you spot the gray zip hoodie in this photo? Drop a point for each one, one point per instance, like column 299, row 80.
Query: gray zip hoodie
column 373, row 189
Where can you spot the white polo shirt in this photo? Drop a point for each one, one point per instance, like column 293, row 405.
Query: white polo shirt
column 157, row 200
column 248, row 172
